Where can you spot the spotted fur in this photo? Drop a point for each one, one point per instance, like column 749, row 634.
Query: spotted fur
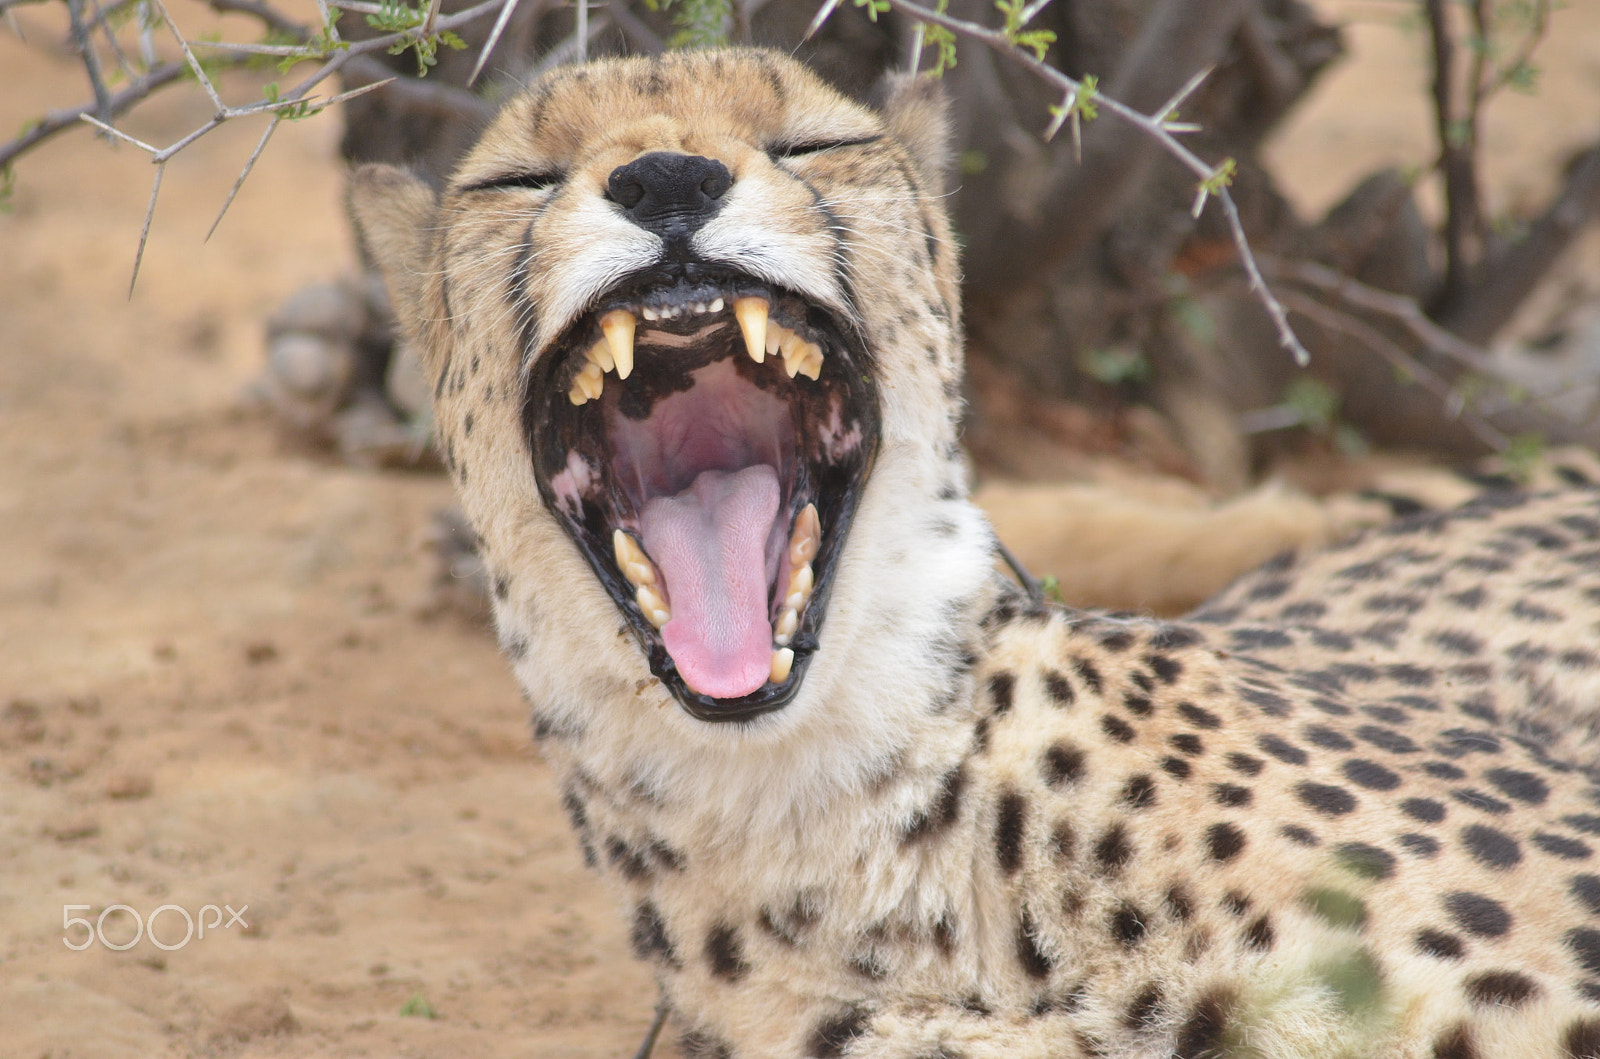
column 1343, row 810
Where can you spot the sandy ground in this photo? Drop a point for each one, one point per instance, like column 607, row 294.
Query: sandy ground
column 217, row 685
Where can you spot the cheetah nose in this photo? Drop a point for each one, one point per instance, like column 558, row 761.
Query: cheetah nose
column 668, row 193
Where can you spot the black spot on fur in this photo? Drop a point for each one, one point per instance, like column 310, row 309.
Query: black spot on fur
column 1371, row 775
column 1491, row 848
column 1011, row 821
column 649, row 936
column 1203, row 1033
column 944, row 811
column 1141, row 1012
column 1589, row 825
column 1116, row 728
column 1421, row 845
column 1501, row 988
column 1480, row 916
column 1235, row 903
column 834, row 1035
column 1062, row 841
column 1224, row 841
column 1327, row 738
column 1232, row 795
column 1186, row 743
column 1112, row 851
column 1299, row 835
column 1438, row 944
column 1326, row 798
column 1259, row 935
column 1198, row 716
column 1002, row 689
column 1139, row 793
column 1369, row 862
column 1456, row 1043
column 1586, row 888
column 1425, row 809
column 1138, row 705
column 1036, row 963
column 1582, row 1039
column 1561, row 846
column 1269, row 702
column 1484, row 803
column 1088, row 674
column 629, row 861
column 1180, row 904
column 1523, row 786
column 502, row 587
column 1250, row 766
column 1281, row 749
column 1059, row 688
column 1386, row 739
column 1062, row 764
column 1166, row 668
column 1176, row 767
column 1443, row 770
column 700, row 1044
column 1585, row 945
column 725, row 953
column 1127, row 925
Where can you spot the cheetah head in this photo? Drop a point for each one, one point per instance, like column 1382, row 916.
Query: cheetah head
column 694, row 332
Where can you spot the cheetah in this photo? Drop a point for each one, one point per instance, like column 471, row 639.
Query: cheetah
column 693, row 332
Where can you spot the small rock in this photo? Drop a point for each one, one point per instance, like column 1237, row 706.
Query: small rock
column 267, row 1016
column 128, row 786
column 73, row 830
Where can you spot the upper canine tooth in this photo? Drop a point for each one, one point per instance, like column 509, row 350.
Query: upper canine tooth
column 752, row 316
column 600, row 353
column 618, row 328
column 807, row 536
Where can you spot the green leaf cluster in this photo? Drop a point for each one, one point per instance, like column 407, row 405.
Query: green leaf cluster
column 1036, row 40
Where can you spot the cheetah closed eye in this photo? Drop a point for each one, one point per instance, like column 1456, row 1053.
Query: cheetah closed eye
column 693, row 329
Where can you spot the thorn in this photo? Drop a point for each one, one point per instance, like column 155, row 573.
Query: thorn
column 237, row 184
column 144, row 233
column 494, row 38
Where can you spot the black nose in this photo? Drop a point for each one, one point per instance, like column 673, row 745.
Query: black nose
column 669, row 193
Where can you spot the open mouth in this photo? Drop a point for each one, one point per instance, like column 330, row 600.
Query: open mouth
column 703, row 437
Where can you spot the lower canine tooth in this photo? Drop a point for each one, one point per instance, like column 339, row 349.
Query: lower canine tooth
column 752, row 316
column 782, row 662
column 617, row 325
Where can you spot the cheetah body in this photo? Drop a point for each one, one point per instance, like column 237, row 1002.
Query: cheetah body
column 1342, row 811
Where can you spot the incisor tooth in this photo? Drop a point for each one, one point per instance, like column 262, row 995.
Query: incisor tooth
column 716, row 305
column 794, row 352
column 782, row 662
column 654, row 607
column 576, row 395
column 592, row 380
column 600, row 353
column 617, row 325
column 752, row 316
column 807, row 536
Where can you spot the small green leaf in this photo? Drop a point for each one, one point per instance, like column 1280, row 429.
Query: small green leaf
column 418, row 1008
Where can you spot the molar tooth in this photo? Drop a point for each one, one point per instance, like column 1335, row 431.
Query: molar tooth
column 654, row 607
column 782, row 662
column 631, row 559
column 600, row 353
column 752, row 316
column 618, row 328
column 788, row 622
column 716, row 305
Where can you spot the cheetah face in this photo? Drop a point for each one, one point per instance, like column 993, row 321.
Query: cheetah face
column 694, row 332
column 702, row 434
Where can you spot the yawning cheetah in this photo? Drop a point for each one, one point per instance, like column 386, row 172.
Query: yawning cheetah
column 693, row 330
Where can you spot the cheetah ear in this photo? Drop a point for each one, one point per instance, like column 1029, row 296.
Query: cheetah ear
column 918, row 115
column 393, row 210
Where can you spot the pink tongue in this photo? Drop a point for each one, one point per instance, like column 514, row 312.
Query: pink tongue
column 709, row 542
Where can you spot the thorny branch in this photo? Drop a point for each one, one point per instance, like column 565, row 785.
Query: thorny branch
column 1159, row 126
